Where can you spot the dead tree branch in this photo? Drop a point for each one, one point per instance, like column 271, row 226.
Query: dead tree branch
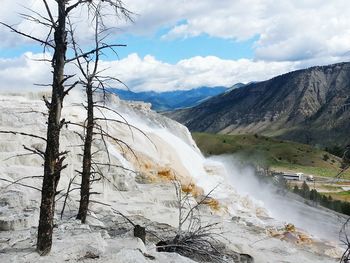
column 23, row 134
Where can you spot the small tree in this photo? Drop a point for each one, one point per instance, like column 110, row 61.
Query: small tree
column 325, row 157
column 296, row 189
column 305, row 190
column 92, row 83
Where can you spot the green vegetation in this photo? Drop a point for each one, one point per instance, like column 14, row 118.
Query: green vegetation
column 342, row 195
column 326, row 201
column 269, row 152
column 335, row 150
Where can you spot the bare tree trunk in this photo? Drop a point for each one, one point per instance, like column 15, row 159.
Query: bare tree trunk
column 53, row 161
column 86, row 173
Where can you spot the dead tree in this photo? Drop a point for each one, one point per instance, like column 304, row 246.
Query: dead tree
column 88, row 81
column 56, row 21
column 87, row 64
column 86, row 172
column 86, row 166
column 53, row 163
column 53, row 158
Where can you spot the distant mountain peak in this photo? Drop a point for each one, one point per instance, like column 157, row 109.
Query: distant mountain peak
column 170, row 100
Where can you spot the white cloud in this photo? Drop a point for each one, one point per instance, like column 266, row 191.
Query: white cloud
column 286, row 30
column 10, row 13
column 148, row 73
column 23, row 72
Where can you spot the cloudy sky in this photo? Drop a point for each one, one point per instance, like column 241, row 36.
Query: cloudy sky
column 182, row 44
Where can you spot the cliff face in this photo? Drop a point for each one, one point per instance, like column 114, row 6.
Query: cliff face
column 310, row 106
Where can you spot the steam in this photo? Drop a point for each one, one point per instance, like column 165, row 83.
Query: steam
column 176, row 148
column 287, row 207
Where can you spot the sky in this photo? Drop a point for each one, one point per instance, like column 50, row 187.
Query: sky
column 182, row 44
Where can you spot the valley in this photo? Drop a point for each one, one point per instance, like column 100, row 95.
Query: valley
column 272, row 153
column 278, row 157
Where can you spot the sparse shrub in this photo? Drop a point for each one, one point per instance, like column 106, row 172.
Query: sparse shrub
column 195, row 239
column 314, row 195
column 295, row 189
column 325, row 157
column 305, row 190
column 335, row 150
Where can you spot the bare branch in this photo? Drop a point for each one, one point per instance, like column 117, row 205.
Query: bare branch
column 34, row 19
column 27, row 36
column 129, row 125
column 93, row 51
column 70, row 8
column 24, row 134
column 125, row 217
column 49, row 13
column 70, row 88
column 35, row 151
column 116, row 166
column 67, row 194
column 24, row 185
column 24, row 178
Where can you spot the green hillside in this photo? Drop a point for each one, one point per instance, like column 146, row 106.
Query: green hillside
column 274, row 153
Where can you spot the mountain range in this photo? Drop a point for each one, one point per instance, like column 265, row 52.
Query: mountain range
column 171, row 100
column 310, row 106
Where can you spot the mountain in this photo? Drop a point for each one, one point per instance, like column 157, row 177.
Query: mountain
column 310, row 106
column 237, row 85
column 170, row 100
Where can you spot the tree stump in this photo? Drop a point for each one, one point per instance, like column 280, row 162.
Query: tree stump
column 140, row 232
